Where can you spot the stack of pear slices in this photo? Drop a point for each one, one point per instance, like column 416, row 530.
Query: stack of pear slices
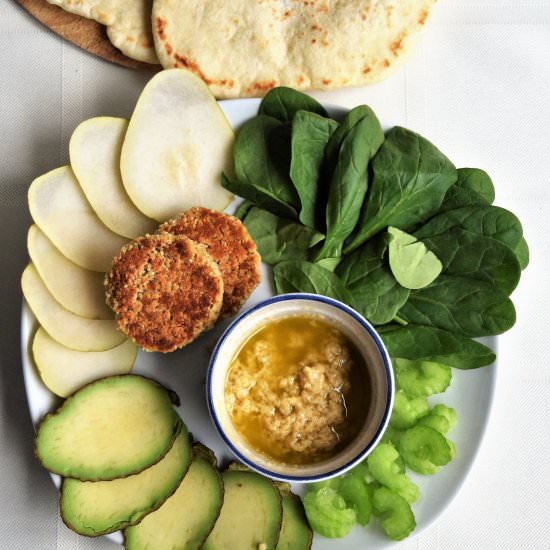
column 124, row 178
column 128, row 463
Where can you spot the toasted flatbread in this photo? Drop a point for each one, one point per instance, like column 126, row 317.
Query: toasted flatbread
column 128, row 23
column 246, row 47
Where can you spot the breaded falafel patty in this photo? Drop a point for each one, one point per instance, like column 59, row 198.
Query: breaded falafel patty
column 229, row 243
column 165, row 290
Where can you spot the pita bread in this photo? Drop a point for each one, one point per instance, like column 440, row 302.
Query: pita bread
column 244, row 48
column 128, row 23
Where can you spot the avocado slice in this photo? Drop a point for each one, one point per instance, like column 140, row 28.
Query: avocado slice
column 113, row 427
column 295, row 531
column 184, row 521
column 95, row 508
column 251, row 514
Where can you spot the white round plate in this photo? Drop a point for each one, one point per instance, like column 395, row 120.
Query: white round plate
column 184, row 371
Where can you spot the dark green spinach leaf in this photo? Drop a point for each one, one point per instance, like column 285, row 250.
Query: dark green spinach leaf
column 243, row 209
column 283, row 103
column 410, row 179
column 471, row 255
column 433, row 344
column 307, row 277
column 310, row 135
column 486, row 220
column 522, row 253
column 349, row 180
column 463, row 306
column 262, row 165
column 376, row 294
column 279, row 239
column 478, row 181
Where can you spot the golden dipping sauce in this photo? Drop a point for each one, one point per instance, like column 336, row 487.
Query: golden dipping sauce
column 297, row 390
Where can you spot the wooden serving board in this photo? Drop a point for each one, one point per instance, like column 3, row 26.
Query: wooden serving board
column 85, row 33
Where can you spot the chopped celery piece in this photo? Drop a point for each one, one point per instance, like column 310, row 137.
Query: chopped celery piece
column 397, row 517
column 440, row 418
column 407, row 410
column 333, row 482
column 425, row 450
column 361, row 471
column 435, row 421
column 385, row 466
column 356, row 494
column 392, row 435
column 328, row 514
column 421, row 378
column 448, row 412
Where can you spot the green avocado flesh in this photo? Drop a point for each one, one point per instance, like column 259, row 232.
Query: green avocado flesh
column 295, row 531
column 97, row 507
column 251, row 514
column 186, row 518
column 111, row 428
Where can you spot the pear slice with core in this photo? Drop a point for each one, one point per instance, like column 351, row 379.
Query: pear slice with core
column 177, row 145
column 60, row 209
column 65, row 370
column 95, row 159
column 79, row 290
column 95, row 508
column 68, row 329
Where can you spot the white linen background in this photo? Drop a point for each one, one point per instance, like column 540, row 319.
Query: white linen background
column 479, row 87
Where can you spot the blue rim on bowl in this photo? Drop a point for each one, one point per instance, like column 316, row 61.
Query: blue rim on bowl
column 385, row 360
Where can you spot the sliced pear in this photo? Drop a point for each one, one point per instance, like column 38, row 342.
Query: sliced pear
column 65, row 370
column 95, row 159
column 60, row 209
column 70, row 330
column 177, row 145
column 79, row 290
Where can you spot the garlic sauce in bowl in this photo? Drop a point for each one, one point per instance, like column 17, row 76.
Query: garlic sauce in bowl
column 300, row 387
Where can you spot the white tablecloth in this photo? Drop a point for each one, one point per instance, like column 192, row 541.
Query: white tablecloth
column 479, row 87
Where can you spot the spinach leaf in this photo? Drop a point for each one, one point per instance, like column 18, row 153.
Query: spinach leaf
column 329, row 263
column 262, row 164
column 282, row 103
column 293, row 276
column 410, row 179
column 376, row 293
column 412, row 263
column 478, row 181
column 310, row 135
column 350, row 120
column 522, row 253
column 464, row 306
column 349, row 180
column 471, row 255
column 279, row 239
column 486, row 220
column 433, row 344
column 243, row 209
column 458, row 197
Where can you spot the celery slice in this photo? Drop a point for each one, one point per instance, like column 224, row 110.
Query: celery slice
column 356, row 494
column 425, row 450
column 387, row 469
column 408, row 410
column 421, row 378
column 328, row 513
column 397, row 517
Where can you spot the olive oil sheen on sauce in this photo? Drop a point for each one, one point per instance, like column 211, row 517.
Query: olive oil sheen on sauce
column 297, row 390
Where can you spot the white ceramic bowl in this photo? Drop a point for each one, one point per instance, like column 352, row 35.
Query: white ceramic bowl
column 368, row 343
